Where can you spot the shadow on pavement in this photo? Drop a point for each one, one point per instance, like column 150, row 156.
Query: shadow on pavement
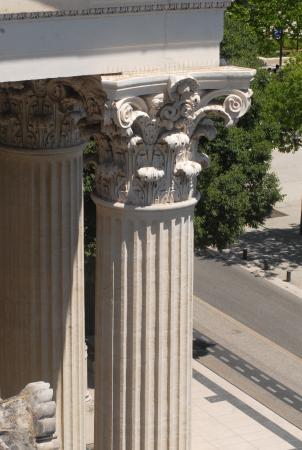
column 279, row 247
column 200, row 347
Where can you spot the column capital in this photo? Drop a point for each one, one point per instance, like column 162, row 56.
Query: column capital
column 148, row 146
column 49, row 114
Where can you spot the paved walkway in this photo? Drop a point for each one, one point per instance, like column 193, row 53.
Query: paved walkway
column 278, row 242
column 225, row 418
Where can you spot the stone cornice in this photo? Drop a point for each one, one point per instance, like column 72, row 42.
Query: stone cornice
column 120, row 9
column 135, row 84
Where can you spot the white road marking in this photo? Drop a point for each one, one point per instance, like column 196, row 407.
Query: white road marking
column 248, row 366
column 223, row 358
column 255, row 379
column 271, row 389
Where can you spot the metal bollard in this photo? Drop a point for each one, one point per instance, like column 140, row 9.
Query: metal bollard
column 288, row 276
column 244, row 253
column 265, row 265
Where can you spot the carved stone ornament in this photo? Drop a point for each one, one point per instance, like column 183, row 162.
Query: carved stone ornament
column 27, row 421
column 148, row 146
column 112, row 8
column 48, row 114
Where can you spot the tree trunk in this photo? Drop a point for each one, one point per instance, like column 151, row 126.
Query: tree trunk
column 281, row 48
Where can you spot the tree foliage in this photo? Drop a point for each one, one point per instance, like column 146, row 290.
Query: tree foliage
column 275, row 22
column 240, row 44
column 266, row 15
column 283, row 106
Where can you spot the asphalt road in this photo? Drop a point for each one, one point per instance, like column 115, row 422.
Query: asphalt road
column 256, row 303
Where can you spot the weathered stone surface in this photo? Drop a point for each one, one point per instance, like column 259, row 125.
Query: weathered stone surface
column 27, row 421
column 48, row 114
column 41, row 278
column 143, row 351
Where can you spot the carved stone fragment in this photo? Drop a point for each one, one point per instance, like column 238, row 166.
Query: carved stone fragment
column 27, row 421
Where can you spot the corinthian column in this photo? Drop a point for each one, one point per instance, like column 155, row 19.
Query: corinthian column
column 41, row 246
column 146, row 170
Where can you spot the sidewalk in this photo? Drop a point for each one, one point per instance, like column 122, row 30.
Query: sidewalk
column 278, row 242
column 225, row 418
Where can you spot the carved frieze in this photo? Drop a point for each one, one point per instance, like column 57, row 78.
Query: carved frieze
column 47, row 114
column 148, row 146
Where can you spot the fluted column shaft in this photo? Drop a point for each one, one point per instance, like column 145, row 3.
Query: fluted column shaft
column 143, row 326
column 41, row 279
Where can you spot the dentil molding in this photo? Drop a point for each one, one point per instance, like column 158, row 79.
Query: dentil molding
column 111, row 8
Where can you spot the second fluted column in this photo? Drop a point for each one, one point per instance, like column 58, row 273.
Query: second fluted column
column 146, row 169
column 144, row 327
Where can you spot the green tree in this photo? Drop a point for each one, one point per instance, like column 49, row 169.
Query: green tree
column 295, row 29
column 240, row 44
column 238, row 189
column 283, row 106
column 274, row 19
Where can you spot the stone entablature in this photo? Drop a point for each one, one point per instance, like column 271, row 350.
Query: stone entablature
column 65, row 39
column 148, row 144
